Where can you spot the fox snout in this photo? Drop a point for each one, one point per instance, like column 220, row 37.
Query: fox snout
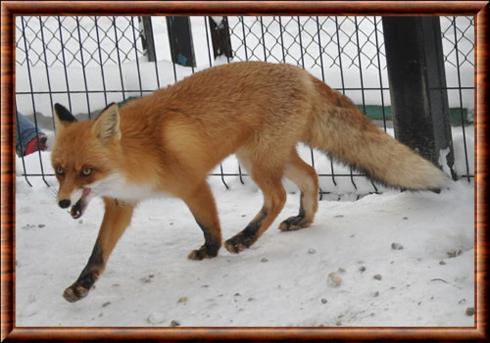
column 65, row 203
column 66, row 194
column 76, row 200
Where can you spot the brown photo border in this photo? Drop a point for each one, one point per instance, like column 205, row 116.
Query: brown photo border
column 9, row 9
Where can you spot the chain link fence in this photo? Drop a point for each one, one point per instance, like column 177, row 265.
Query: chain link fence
column 77, row 41
column 346, row 52
column 326, row 41
column 311, row 42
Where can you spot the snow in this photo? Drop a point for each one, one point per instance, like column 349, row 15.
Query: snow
column 217, row 20
column 421, row 244
column 443, row 160
column 148, row 271
column 390, row 259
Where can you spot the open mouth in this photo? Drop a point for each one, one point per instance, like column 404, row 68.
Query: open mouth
column 78, row 209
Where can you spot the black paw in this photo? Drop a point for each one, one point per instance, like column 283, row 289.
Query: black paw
column 239, row 243
column 294, row 223
column 84, row 283
column 203, row 252
column 75, row 292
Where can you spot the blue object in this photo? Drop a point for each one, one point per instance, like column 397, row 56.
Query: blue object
column 26, row 131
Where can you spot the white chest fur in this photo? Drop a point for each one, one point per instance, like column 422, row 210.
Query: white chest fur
column 118, row 187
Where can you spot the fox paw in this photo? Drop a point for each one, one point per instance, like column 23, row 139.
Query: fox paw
column 239, row 243
column 294, row 223
column 74, row 293
column 235, row 247
column 202, row 253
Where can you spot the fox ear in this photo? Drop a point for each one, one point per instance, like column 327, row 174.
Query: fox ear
column 62, row 116
column 106, row 126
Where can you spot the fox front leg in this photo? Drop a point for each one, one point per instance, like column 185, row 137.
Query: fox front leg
column 202, row 205
column 117, row 217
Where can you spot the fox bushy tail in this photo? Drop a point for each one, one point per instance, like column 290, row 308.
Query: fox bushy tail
column 345, row 134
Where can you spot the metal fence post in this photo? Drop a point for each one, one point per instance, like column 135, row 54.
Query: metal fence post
column 418, row 90
column 180, row 36
column 146, row 33
column 220, row 36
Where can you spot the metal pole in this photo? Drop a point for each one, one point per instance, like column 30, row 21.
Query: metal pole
column 179, row 32
column 220, row 36
column 147, row 38
column 418, row 86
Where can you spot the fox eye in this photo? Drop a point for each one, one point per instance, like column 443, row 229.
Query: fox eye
column 60, row 170
column 86, row 171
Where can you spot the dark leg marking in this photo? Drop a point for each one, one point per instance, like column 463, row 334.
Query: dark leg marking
column 79, row 289
column 209, row 248
column 297, row 222
column 247, row 236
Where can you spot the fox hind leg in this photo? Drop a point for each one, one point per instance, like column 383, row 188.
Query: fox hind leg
column 305, row 177
column 274, row 199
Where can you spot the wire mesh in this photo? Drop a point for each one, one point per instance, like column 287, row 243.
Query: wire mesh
column 87, row 62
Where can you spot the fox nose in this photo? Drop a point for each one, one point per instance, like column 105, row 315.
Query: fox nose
column 64, row 203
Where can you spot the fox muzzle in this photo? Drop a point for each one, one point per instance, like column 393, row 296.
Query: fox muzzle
column 65, row 203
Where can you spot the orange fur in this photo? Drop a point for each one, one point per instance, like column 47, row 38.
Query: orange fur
column 168, row 142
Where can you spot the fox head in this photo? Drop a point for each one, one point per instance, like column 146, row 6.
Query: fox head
column 85, row 154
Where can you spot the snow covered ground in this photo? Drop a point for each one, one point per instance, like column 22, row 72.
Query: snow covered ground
column 398, row 259
column 392, row 259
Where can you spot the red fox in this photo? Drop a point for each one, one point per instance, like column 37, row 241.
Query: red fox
column 169, row 141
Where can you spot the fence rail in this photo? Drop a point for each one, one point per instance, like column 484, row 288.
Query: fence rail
column 87, row 62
